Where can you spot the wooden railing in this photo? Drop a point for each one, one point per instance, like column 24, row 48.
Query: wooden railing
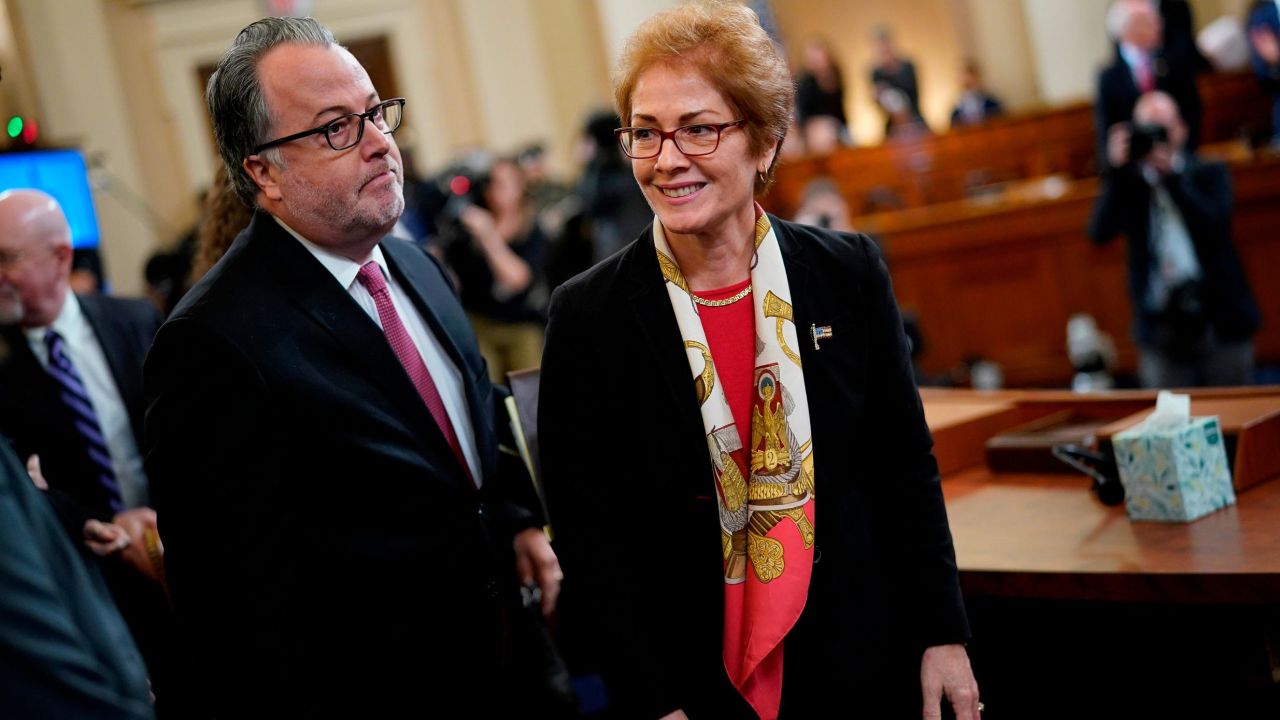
column 968, row 161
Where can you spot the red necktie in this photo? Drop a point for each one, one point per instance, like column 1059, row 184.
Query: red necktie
column 1146, row 78
column 370, row 276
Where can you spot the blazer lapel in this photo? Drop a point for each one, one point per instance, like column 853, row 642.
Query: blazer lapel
column 652, row 308
column 803, row 310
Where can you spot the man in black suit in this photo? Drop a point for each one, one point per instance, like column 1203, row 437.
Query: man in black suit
column 322, row 436
column 71, row 394
column 1143, row 63
column 1193, row 314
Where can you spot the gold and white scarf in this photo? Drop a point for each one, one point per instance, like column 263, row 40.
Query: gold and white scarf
column 766, row 492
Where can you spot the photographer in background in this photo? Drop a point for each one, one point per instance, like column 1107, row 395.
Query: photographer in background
column 1193, row 314
column 492, row 241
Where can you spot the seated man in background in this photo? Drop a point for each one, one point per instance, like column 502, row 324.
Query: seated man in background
column 71, row 394
column 1193, row 314
column 976, row 105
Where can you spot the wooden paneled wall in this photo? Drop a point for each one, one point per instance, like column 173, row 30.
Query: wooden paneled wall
column 999, row 281
column 964, row 162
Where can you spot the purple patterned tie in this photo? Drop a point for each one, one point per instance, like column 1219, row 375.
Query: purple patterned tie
column 74, row 396
column 371, row 278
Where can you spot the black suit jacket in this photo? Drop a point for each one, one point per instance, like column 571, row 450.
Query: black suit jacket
column 1118, row 93
column 1202, row 192
column 37, row 421
column 630, row 492
column 326, row 553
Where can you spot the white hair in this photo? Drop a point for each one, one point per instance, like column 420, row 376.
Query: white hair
column 1118, row 17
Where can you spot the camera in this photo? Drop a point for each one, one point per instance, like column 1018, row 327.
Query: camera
column 1143, row 137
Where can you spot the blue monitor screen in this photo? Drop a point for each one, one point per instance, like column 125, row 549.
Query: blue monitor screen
column 62, row 174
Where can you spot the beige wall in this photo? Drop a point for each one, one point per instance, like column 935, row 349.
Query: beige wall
column 1069, row 42
column 16, row 93
column 82, row 102
column 1002, row 48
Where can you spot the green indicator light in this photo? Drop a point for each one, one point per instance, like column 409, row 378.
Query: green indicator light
column 15, row 126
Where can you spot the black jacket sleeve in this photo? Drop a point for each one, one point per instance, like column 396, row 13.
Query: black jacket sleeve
column 925, row 553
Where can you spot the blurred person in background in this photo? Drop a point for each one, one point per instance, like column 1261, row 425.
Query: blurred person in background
column 892, row 71
column 1193, row 314
column 1142, row 64
column 820, row 99
column 1264, row 54
column 544, row 190
column 225, row 215
column 697, row 385
column 975, row 105
column 71, row 394
column 614, row 207
column 497, row 250
column 904, row 126
column 822, row 206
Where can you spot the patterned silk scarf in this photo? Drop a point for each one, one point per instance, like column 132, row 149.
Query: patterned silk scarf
column 765, row 492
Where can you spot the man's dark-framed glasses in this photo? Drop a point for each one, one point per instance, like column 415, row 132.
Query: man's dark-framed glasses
column 347, row 131
column 642, row 143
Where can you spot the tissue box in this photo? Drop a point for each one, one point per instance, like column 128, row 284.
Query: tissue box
column 1174, row 475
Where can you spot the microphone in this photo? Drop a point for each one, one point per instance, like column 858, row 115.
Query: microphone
column 1099, row 467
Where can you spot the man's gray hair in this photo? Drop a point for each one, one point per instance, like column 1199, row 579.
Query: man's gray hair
column 241, row 118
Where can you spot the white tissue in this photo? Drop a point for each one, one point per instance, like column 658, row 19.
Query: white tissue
column 1172, row 412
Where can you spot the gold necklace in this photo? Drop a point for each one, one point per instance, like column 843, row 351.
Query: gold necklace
column 721, row 303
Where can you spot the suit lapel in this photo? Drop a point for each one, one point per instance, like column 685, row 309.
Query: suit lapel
column 430, row 294
column 22, row 373
column 652, row 309
column 317, row 295
column 114, row 339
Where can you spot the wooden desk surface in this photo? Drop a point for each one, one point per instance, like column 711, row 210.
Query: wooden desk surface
column 1047, row 536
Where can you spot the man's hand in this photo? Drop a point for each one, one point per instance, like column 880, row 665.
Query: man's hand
column 945, row 670
column 536, row 563
column 1118, row 145
column 1161, row 158
column 33, row 469
column 479, row 222
column 1266, row 45
column 144, row 550
column 105, row 538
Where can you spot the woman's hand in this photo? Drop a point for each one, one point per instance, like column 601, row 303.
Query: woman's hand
column 945, row 672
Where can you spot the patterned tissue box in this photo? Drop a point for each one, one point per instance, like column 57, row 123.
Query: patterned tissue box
column 1175, row 475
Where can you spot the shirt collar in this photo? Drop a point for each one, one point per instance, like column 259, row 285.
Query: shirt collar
column 343, row 269
column 68, row 323
column 1132, row 55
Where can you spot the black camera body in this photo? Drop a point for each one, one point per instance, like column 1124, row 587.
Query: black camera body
column 1143, row 137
